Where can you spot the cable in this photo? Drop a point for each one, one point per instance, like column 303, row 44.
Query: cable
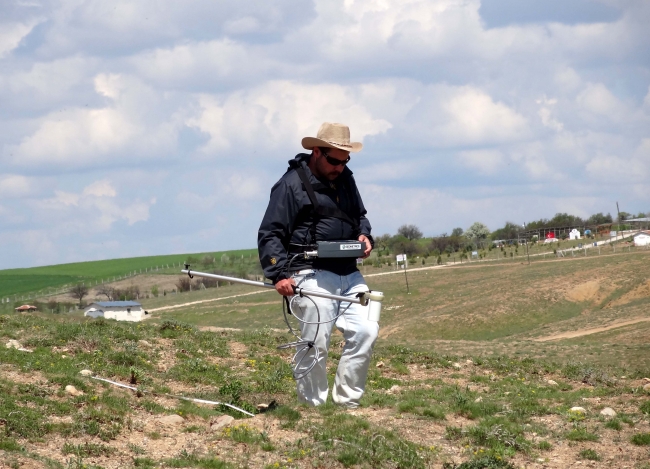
column 304, row 346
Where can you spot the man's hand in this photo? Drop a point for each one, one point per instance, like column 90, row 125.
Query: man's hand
column 285, row 287
column 368, row 250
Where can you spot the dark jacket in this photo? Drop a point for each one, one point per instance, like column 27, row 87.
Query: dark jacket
column 289, row 221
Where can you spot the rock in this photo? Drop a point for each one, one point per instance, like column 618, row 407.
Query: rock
column 394, row 388
column 646, row 380
column 15, row 344
column 221, row 422
column 70, row 389
column 457, row 366
column 380, row 364
column 478, row 399
column 646, row 388
column 578, row 409
column 86, row 373
column 551, row 382
column 469, row 362
column 171, row 420
column 608, row 412
column 144, row 343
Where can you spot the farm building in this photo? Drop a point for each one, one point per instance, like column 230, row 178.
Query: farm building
column 118, row 310
column 642, row 239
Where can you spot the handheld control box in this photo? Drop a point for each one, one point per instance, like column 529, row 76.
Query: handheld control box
column 347, row 248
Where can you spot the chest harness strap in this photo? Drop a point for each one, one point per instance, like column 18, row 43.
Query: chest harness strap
column 319, row 210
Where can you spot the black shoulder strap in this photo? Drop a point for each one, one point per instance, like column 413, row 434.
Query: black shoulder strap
column 331, row 212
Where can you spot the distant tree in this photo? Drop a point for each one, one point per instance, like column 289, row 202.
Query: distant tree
column 509, row 231
column 400, row 244
column 183, row 284
column 79, row 291
column 207, row 261
column 409, row 232
column 106, row 290
column 640, row 215
column 155, row 291
column 622, row 216
column 477, row 232
column 457, row 232
column 598, row 219
column 382, row 242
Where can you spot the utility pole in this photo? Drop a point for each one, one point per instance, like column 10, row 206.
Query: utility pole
column 526, row 241
column 619, row 217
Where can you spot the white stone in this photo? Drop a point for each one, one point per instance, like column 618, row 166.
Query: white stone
column 171, row 420
column 551, row 382
column 144, row 343
column 380, row 364
column 457, row 366
column 646, row 380
column 608, row 412
column 394, row 388
column 221, row 422
column 13, row 344
column 478, row 399
column 578, row 409
column 469, row 362
column 86, row 373
column 646, row 388
column 70, row 389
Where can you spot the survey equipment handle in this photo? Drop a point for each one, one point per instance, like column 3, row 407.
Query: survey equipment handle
column 361, row 298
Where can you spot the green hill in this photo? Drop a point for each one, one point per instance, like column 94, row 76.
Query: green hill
column 18, row 282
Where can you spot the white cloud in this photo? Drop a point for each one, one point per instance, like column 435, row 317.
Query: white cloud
column 14, row 186
column 545, row 113
column 487, row 162
column 195, row 106
column 127, row 128
column 597, row 99
column 95, row 209
column 280, row 113
column 11, row 34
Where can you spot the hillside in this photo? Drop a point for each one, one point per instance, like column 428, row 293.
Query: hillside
column 478, row 367
column 41, row 280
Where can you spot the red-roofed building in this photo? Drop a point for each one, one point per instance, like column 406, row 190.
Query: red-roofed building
column 28, row 308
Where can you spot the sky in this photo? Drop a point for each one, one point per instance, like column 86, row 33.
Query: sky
column 141, row 127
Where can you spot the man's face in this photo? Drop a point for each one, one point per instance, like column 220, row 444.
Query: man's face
column 325, row 168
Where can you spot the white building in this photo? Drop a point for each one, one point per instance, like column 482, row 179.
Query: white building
column 118, row 310
column 574, row 234
column 642, row 239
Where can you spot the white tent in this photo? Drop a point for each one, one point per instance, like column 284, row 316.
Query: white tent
column 642, row 239
column 574, row 234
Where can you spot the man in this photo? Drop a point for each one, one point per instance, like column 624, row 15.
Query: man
column 293, row 221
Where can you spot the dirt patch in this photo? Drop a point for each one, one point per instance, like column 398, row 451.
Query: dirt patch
column 237, row 350
column 219, row 329
column 640, row 292
column 594, row 291
column 595, row 330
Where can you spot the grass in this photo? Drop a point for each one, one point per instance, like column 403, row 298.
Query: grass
column 485, row 400
column 40, row 279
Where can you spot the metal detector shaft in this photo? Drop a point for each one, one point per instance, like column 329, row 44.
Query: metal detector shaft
column 299, row 291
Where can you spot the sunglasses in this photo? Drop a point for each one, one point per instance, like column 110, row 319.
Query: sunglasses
column 335, row 162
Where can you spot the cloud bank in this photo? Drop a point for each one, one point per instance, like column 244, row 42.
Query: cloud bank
column 131, row 130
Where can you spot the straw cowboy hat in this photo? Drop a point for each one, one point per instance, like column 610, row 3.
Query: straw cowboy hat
column 332, row 136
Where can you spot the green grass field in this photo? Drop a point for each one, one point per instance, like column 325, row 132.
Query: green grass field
column 17, row 282
column 478, row 367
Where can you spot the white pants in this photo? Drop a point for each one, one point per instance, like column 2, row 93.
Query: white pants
column 360, row 335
